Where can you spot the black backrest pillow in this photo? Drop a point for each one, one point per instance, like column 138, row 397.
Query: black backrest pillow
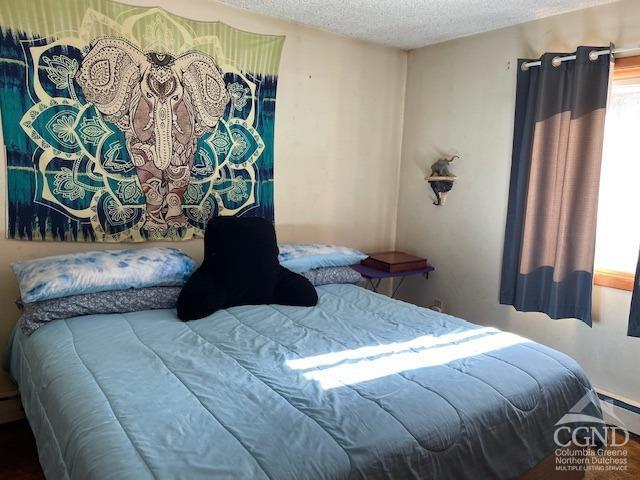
column 241, row 267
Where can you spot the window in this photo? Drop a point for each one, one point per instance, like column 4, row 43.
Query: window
column 618, row 235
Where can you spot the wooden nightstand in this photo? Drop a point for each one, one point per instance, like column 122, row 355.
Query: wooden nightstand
column 10, row 405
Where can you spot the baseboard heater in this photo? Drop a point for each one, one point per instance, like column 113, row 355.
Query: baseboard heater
column 620, row 411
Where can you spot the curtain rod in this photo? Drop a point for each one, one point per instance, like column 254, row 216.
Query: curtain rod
column 593, row 55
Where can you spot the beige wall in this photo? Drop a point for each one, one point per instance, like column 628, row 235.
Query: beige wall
column 337, row 143
column 460, row 98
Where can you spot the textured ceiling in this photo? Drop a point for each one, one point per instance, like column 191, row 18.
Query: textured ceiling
column 411, row 24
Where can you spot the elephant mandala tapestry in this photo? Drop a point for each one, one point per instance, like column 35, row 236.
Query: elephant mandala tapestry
column 126, row 123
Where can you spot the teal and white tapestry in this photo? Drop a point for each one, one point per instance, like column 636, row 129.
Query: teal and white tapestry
column 130, row 124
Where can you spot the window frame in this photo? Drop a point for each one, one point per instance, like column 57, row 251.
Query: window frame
column 626, row 67
column 614, row 279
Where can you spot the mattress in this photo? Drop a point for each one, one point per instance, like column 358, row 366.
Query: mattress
column 361, row 386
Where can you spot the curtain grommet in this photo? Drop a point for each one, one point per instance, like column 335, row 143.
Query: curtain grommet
column 593, row 55
column 556, row 61
column 524, row 67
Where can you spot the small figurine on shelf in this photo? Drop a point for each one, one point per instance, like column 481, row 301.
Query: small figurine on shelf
column 441, row 179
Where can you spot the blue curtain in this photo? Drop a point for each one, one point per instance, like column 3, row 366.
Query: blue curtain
column 557, row 152
column 634, row 316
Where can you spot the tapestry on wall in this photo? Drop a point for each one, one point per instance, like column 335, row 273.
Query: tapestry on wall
column 129, row 124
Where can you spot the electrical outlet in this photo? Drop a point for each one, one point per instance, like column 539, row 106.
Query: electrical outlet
column 439, row 303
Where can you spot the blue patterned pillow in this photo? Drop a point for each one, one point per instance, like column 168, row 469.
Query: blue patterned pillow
column 101, row 271
column 302, row 257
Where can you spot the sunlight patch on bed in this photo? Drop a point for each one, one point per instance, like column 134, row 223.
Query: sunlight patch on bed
column 401, row 361
column 424, row 341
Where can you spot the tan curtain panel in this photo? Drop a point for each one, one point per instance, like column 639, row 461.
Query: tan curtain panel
column 553, row 197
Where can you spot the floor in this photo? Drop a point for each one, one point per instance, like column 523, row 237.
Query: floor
column 19, row 457
column 18, row 454
column 633, row 462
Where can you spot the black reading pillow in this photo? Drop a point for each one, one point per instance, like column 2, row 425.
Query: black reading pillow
column 241, row 267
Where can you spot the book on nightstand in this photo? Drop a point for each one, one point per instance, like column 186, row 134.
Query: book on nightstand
column 394, row 262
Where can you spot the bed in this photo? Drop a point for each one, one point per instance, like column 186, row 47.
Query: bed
column 361, row 386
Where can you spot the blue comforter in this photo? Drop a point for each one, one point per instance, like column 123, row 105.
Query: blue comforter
column 360, row 386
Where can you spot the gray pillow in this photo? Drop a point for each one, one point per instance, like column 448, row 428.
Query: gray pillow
column 36, row 314
column 323, row 276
